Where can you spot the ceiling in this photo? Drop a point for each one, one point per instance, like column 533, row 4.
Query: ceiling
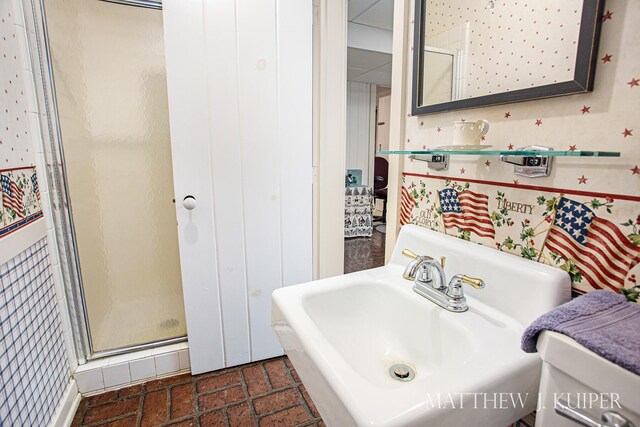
column 374, row 13
column 370, row 66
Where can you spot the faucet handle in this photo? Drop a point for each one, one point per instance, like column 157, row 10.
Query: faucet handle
column 454, row 290
column 409, row 254
column 475, row 282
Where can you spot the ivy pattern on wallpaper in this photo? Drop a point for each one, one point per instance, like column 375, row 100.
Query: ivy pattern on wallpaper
column 572, row 232
column 585, row 217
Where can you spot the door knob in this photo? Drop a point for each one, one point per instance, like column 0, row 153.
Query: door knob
column 189, row 203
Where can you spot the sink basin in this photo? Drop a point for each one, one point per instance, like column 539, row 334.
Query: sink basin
column 343, row 334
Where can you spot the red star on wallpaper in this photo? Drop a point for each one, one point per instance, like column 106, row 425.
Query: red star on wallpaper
column 424, row 147
column 538, row 122
column 572, row 148
column 516, row 182
column 487, row 163
column 462, row 170
column 507, row 115
column 606, row 58
column 438, row 130
column 634, row 82
column 635, row 170
column 607, row 16
column 421, row 123
column 483, row 138
column 585, row 109
column 582, row 180
column 627, row 132
column 510, row 146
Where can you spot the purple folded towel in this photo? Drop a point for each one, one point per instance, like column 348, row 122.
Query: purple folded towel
column 602, row 321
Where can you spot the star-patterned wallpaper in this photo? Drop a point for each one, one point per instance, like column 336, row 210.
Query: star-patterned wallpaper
column 515, row 45
column 20, row 204
column 525, row 212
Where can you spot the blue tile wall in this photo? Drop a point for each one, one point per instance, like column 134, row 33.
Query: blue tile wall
column 34, row 371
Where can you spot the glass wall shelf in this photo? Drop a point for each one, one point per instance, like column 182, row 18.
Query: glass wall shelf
column 527, row 153
column 532, row 161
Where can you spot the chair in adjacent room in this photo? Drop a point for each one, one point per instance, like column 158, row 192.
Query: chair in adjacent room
column 380, row 182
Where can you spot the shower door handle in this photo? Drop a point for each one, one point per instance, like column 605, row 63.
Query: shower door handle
column 189, row 203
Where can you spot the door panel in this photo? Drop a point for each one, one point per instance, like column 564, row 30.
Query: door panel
column 192, row 176
column 240, row 104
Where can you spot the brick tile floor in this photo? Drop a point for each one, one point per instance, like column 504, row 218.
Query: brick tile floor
column 363, row 253
column 266, row 393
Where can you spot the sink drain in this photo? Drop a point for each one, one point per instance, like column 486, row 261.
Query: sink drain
column 402, row 372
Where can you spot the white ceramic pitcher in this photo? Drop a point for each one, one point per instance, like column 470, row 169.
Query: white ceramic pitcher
column 469, row 133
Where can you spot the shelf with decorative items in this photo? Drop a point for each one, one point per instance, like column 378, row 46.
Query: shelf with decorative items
column 532, row 161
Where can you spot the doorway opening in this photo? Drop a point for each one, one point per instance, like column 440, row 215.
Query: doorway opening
column 368, row 101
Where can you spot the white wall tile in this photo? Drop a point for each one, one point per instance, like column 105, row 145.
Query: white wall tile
column 183, row 357
column 37, row 347
column 89, row 381
column 142, row 369
column 116, row 375
column 167, row 363
column 54, row 259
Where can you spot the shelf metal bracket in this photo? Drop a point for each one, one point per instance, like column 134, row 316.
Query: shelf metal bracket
column 530, row 166
column 434, row 161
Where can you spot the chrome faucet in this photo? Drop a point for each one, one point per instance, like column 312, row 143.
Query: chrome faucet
column 432, row 286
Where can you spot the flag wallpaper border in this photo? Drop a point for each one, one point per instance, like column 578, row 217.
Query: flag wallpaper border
column 522, row 220
column 20, row 204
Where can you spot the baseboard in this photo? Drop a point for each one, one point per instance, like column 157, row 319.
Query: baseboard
column 67, row 407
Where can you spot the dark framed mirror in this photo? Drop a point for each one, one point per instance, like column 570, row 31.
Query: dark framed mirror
column 472, row 53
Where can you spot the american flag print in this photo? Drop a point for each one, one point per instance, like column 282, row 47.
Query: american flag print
column 34, row 182
column 12, row 196
column 407, row 204
column 600, row 251
column 467, row 211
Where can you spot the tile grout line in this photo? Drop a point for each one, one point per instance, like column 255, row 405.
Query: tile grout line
column 245, row 387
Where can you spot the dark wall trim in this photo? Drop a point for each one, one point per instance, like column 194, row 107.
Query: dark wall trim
column 586, row 58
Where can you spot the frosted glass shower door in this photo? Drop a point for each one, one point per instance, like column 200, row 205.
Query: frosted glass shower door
column 109, row 71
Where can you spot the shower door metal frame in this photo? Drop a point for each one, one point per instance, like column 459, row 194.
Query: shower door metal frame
column 149, row 4
column 58, row 189
column 456, row 87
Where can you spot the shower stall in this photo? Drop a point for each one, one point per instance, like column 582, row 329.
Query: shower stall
column 109, row 122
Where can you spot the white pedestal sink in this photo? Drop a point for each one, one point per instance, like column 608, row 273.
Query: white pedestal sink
column 344, row 333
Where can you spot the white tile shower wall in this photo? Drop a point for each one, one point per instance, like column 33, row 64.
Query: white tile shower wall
column 33, row 360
